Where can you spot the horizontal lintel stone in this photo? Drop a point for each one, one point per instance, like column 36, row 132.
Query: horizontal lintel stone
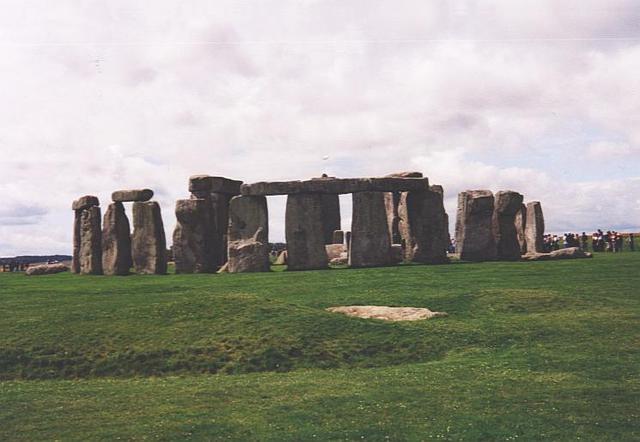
column 84, row 202
column 121, row 196
column 335, row 185
column 214, row 184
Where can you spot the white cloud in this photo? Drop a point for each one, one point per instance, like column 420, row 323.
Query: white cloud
column 476, row 94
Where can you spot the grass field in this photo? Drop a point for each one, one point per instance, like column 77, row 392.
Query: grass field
column 530, row 351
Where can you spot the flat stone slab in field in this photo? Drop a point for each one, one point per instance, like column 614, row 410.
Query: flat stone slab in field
column 387, row 313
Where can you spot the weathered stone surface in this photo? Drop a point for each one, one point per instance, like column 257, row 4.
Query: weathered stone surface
column 218, row 222
column 116, row 241
column 330, row 204
column 248, row 234
column 406, row 175
column 148, row 242
column 392, row 203
column 84, row 202
column 520, row 224
column 474, row 233
column 120, row 196
column 213, row 184
column 397, row 253
column 507, row 205
column 304, row 231
column 90, row 253
column 335, row 251
column 281, row 260
column 338, row 237
column 423, row 226
column 192, row 251
column 75, row 260
column 341, row 260
column 347, row 239
column 46, row 269
column 335, row 185
column 370, row 242
column 534, row 228
column 568, row 253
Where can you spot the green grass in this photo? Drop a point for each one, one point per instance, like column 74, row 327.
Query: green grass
column 530, row 351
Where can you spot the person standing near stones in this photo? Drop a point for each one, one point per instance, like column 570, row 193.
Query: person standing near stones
column 632, row 246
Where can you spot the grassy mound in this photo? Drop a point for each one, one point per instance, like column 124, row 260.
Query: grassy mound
column 551, row 346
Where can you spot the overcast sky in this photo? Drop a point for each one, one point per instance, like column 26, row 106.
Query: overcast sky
column 540, row 97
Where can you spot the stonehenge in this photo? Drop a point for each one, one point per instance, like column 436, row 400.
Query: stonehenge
column 370, row 240
column 107, row 246
column 248, row 245
column 305, row 232
column 192, row 251
column 148, row 244
column 534, row 228
column 217, row 193
column 87, row 236
column 474, row 233
column 223, row 226
column 507, row 205
column 116, row 241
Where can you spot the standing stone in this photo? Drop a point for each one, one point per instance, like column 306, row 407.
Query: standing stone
column 75, row 259
column 116, row 241
column 217, row 191
column 347, row 240
column 534, row 229
column 78, row 206
column 192, row 251
column 370, row 241
column 148, row 242
column 507, row 205
column 90, row 253
column 423, row 226
column 248, row 234
column 338, row 237
column 521, row 223
column 304, row 231
column 474, row 233
column 392, row 205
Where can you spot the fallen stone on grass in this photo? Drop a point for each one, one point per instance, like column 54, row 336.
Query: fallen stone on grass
column 387, row 313
column 568, row 253
column 46, row 269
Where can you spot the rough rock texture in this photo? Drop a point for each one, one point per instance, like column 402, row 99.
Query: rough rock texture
column 75, row 260
column 281, row 260
column 520, row 224
column 90, row 252
column 507, row 205
column 330, row 205
column 46, row 269
column 335, row 251
column 192, row 251
column 248, row 234
column 423, row 226
column 474, row 233
column 84, row 202
column 341, row 260
column 213, row 184
column 116, row 241
column 305, row 232
column 397, row 253
column 392, row 203
column 338, row 237
column 370, row 242
column 347, row 239
column 387, row 313
column 148, row 243
column 568, row 253
column 335, row 185
column 217, row 191
column 120, row 196
column 534, row 228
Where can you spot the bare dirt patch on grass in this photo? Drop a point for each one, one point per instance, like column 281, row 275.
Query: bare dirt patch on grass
column 387, row 313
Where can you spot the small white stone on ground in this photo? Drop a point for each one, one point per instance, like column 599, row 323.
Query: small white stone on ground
column 387, row 313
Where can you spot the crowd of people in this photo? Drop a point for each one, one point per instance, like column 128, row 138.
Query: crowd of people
column 598, row 241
